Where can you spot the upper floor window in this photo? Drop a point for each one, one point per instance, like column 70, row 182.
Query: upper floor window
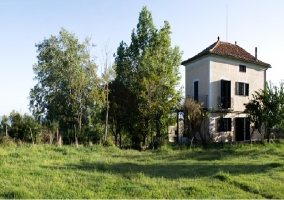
column 242, row 89
column 225, row 94
column 242, row 68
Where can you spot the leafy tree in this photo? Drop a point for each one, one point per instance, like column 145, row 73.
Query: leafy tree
column 23, row 127
column 266, row 108
column 30, row 128
column 107, row 76
column 16, row 130
column 149, row 69
column 121, row 110
column 67, row 81
column 4, row 124
column 196, row 120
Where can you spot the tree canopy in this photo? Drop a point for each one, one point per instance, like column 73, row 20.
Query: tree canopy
column 67, row 81
column 266, row 108
column 148, row 68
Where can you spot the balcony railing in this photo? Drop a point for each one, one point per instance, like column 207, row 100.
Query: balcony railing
column 201, row 99
column 225, row 103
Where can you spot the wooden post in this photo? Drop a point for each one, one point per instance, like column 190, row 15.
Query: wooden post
column 177, row 127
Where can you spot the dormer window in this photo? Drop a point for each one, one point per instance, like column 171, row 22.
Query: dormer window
column 242, row 68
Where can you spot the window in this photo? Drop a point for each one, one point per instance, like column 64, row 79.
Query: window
column 225, row 94
column 242, row 89
column 242, row 129
column 224, row 124
column 195, row 91
column 242, row 68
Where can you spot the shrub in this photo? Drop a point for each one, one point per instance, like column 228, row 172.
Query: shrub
column 6, row 141
column 108, row 142
column 222, row 176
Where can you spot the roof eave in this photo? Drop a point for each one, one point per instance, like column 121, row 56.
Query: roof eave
column 266, row 65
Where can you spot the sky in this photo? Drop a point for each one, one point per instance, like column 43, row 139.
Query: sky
column 195, row 24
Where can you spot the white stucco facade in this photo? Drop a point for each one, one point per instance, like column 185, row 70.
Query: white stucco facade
column 209, row 70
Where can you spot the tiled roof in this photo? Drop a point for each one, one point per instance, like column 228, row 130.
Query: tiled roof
column 228, row 50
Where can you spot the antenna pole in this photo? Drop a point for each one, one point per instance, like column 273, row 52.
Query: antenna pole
column 227, row 23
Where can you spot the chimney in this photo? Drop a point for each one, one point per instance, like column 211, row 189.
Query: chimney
column 255, row 53
column 235, row 42
column 218, row 38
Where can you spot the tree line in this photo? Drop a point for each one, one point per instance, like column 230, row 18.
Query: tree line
column 132, row 100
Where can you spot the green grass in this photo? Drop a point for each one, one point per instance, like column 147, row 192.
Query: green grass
column 230, row 171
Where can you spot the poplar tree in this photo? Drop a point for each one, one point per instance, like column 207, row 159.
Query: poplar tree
column 148, row 67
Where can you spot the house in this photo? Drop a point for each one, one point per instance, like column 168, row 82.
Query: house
column 223, row 77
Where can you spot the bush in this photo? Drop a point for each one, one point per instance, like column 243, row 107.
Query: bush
column 108, row 142
column 222, row 176
column 6, row 141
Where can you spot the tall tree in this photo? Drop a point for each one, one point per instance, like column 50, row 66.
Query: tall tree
column 107, row 76
column 67, row 81
column 149, row 69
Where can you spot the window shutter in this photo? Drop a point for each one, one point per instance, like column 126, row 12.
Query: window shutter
column 229, row 94
column 237, row 88
column 229, row 124
column 247, row 89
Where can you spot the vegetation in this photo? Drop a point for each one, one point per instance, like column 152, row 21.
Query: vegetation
column 266, row 109
column 226, row 171
column 196, row 120
column 148, row 70
column 67, row 84
column 72, row 104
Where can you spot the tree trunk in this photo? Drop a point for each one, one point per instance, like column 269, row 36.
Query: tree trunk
column 120, row 140
column 76, row 139
column 32, row 136
column 59, row 138
column 144, row 140
column 158, row 126
column 6, row 130
column 57, row 135
column 106, row 122
column 105, row 129
column 115, row 138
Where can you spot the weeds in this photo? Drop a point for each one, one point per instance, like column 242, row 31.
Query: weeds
column 235, row 171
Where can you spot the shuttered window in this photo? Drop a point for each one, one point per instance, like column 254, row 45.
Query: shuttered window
column 224, row 124
column 242, row 89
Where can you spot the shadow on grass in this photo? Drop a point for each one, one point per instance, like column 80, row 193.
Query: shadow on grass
column 170, row 171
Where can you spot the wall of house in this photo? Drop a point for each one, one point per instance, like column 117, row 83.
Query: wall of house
column 221, row 68
column 226, row 136
column 209, row 71
column 198, row 70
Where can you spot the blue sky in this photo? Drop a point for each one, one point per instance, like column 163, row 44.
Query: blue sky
column 195, row 25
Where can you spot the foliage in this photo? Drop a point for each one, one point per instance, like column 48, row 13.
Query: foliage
column 196, row 119
column 148, row 68
column 4, row 125
column 6, row 141
column 266, row 108
column 23, row 127
column 67, row 82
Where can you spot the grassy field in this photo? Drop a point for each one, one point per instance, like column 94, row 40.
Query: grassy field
column 231, row 171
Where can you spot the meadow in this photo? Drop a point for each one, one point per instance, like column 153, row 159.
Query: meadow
column 226, row 171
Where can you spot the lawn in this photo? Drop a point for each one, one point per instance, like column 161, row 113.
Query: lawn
column 229, row 171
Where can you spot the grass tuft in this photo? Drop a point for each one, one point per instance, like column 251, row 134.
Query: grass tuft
column 222, row 176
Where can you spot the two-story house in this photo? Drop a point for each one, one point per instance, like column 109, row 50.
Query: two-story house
column 223, row 77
